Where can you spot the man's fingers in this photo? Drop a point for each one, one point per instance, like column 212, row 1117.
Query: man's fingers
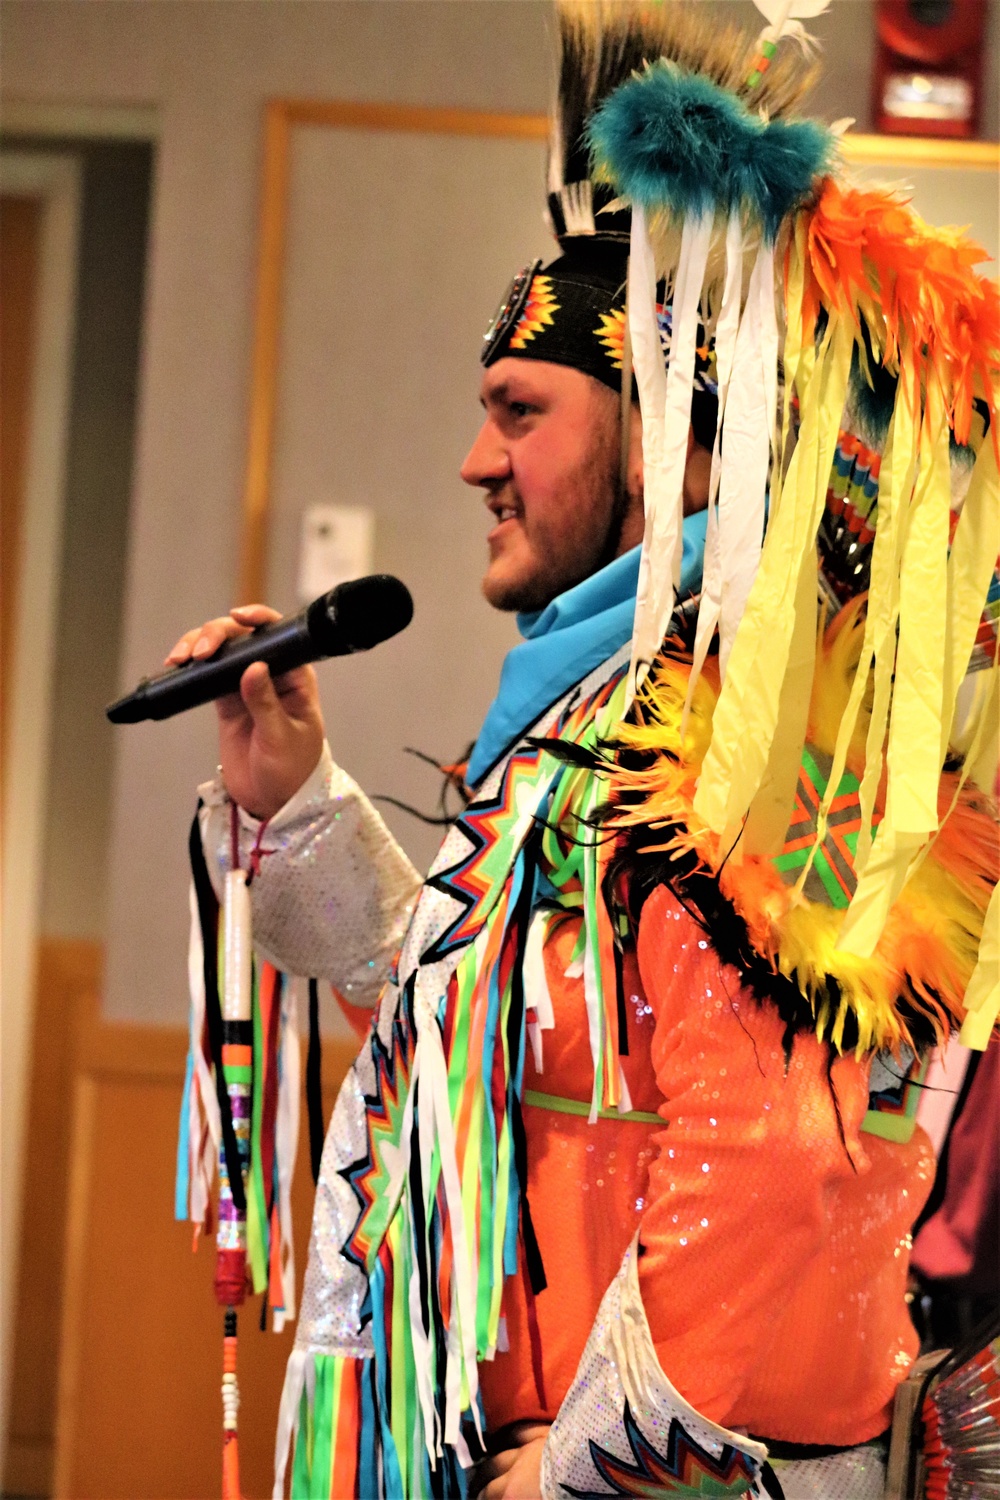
column 205, row 640
column 501, row 1462
column 488, row 1482
column 495, row 1490
column 231, row 708
column 259, row 695
column 254, row 614
column 510, row 1466
column 297, row 692
column 182, row 650
column 493, row 1467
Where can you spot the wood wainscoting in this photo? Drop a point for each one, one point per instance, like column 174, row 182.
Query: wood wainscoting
column 110, row 1293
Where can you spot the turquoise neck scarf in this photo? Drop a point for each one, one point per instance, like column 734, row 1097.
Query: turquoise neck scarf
column 566, row 640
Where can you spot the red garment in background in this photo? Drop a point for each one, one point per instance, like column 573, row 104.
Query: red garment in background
column 961, row 1241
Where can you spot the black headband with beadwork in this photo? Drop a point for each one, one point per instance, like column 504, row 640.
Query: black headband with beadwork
column 564, row 318
column 561, row 320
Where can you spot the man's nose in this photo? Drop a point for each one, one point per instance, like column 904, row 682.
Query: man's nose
column 487, row 461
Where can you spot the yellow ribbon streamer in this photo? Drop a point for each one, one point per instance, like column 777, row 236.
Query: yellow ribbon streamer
column 917, row 706
column 923, row 713
column 770, row 812
column 746, row 718
column 899, row 473
column 791, row 354
column 915, row 753
column 983, row 754
column 970, row 568
column 878, row 643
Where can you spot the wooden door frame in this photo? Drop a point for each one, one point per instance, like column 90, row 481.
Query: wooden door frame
column 56, row 180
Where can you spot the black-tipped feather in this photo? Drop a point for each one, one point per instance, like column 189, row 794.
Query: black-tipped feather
column 603, row 42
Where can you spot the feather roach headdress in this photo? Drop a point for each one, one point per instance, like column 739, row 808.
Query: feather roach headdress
column 857, row 353
column 573, row 311
column 603, row 44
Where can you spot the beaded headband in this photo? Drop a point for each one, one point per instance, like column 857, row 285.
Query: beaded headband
column 564, row 319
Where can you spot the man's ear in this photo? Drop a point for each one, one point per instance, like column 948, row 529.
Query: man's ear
column 697, row 476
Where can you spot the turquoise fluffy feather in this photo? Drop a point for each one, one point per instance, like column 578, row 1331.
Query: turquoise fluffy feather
column 676, row 141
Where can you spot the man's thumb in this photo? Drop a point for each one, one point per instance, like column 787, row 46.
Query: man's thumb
column 259, row 697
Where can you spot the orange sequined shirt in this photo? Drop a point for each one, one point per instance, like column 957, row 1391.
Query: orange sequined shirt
column 774, row 1244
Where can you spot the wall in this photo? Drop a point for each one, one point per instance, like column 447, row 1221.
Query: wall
column 402, row 330
column 207, row 68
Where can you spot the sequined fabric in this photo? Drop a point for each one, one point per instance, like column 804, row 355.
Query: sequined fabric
column 856, row 1474
column 334, row 1288
column 777, row 1234
column 333, row 892
column 623, row 1429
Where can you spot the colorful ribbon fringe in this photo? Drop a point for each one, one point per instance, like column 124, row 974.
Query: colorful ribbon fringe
column 445, row 1215
column 263, row 1068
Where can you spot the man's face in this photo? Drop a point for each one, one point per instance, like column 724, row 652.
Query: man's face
column 547, row 457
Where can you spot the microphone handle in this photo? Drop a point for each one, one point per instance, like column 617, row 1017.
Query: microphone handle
column 354, row 616
column 288, row 643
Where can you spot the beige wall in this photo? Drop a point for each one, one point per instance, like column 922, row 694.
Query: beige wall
column 207, row 67
column 385, row 307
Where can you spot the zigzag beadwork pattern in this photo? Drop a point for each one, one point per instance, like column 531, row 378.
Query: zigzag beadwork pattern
column 831, row 877
column 686, row 1468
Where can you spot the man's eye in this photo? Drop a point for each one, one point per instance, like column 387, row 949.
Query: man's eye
column 520, row 409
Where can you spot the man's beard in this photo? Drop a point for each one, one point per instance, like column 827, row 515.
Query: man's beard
column 600, row 476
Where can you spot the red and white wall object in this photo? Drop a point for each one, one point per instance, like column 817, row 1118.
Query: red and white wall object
column 928, row 67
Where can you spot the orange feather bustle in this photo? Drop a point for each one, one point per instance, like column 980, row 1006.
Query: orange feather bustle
column 871, row 256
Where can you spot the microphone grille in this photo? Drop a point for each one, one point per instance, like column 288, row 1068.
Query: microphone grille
column 366, row 611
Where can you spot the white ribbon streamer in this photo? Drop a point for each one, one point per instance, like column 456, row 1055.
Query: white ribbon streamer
column 465, row 1271
column 418, row 1334
column 660, row 568
column 288, row 1416
column 538, row 1000
column 430, row 1077
column 651, row 384
column 710, row 604
column 750, row 413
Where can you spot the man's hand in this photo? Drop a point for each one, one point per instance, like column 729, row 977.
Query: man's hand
column 270, row 733
column 514, row 1473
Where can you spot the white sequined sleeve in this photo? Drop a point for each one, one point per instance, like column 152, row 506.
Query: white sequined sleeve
column 332, row 892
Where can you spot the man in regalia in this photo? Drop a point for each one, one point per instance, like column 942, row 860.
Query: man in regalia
column 616, row 1197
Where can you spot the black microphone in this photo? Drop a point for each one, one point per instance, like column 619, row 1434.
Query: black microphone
column 352, row 617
